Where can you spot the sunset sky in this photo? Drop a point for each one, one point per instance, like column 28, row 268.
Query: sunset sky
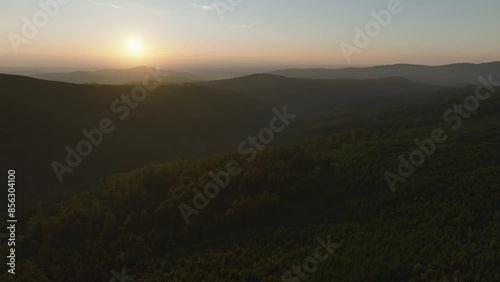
column 281, row 32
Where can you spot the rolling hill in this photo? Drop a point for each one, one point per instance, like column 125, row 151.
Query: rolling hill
column 38, row 119
column 311, row 98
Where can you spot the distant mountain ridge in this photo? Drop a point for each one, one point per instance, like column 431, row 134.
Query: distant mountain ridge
column 118, row 76
column 454, row 75
column 447, row 75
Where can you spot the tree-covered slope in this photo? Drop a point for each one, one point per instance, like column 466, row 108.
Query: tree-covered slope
column 441, row 224
column 312, row 98
column 39, row 119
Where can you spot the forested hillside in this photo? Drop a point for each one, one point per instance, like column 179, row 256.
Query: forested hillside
column 39, row 119
column 441, row 224
column 42, row 121
column 312, row 98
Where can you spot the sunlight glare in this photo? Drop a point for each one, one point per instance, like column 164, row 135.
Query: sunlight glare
column 134, row 46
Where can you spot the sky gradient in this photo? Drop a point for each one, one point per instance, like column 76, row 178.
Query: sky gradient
column 257, row 32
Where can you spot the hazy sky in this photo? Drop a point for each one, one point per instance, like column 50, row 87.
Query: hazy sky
column 125, row 33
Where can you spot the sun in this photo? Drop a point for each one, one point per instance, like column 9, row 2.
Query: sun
column 134, row 46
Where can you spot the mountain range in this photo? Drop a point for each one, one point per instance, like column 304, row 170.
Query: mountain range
column 118, row 76
column 453, row 75
column 447, row 75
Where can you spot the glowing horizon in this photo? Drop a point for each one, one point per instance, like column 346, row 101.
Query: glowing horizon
column 129, row 33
